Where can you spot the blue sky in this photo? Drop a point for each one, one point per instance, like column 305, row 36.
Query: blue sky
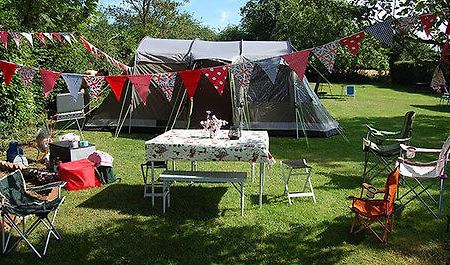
column 214, row 13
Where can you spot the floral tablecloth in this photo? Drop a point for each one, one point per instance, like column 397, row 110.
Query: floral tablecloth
column 195, row 145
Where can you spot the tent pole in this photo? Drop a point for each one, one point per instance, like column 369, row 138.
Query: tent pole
column 121, row 111
column 123, row 121
column 178, row 111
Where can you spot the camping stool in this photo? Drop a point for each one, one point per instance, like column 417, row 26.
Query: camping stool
column 297, row 164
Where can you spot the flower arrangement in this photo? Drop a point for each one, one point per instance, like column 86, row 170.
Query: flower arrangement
column 212, row 124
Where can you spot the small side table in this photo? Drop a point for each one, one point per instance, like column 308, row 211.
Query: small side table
column 294, row 165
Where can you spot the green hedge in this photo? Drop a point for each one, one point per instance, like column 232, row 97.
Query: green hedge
column 411, row 72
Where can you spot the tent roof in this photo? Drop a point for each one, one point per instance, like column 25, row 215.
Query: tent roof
column 153, row 50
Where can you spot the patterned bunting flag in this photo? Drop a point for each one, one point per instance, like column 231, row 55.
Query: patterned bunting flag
column 4, row 38
column 67, row 37
column 190, row 80
column 166, row 81
column 28, row 37
column 353, row 42
column 41, row 37
column 406, row 24
column 217, row 76
column 26, row 73
column 327, row 54
column 73, row 37
column 73, row 82
column 427, row 22
column 270, row 67
column 16, row 38
column 382, row 31
column 48, row 35
column 94, row 83
column 142, row 85
column 58, row 37
column 8, row 70
column 438, row 80
column 297, row 61
column 48, row 80
column 243, row 73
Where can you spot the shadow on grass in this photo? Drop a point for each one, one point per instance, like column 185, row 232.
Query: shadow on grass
column 436, row 108
column 187, row 202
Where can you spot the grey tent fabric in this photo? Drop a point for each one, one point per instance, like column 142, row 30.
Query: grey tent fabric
column 269, row 105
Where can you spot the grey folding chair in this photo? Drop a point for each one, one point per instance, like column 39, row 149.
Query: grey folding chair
column 17, row 204
column 381, row 148
column 419, row 177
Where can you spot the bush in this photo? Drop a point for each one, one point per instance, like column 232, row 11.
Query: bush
column 411, row 72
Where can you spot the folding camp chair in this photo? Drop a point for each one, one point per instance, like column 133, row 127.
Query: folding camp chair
column 419, row 177
column 18, row 203
column 384, row 147
column 445, row 97
column 371, row 211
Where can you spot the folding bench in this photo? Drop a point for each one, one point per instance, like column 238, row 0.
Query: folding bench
column 170, row 176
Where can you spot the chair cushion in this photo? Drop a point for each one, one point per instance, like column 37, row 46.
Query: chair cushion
column 369, row 208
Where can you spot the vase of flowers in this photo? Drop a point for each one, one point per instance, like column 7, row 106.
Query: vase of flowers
column 212, row 124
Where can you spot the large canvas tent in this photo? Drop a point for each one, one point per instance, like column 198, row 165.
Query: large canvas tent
column 288, row 104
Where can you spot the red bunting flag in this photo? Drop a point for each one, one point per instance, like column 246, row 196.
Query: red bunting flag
column 297, row 61
column 217, row 76
column 41, row 37
column 86, row 44
column 4, row 38
column 8, row 70
column 48, row 80
column 190, row 79
column 116, row 83
column 58, row 37
column 427, row 22
column 353, row 42
column 447, row 30
column 142, row 85
column 445, row 51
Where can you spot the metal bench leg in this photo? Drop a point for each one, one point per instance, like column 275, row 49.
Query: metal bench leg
column 242, row 198
column 253, row 171
column 153, row 182
column 310, row 185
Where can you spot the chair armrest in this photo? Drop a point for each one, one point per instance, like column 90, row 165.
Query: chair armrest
column 400, row 140
column 416, row 163
column 375, row 132
column 413, row 149
column 48, row 186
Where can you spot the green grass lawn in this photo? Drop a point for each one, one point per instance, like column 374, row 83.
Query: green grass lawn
column 114, row 224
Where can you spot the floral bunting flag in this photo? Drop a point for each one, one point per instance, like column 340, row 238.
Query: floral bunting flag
column 427, row 22
column 8, row 70
column 48, row 80
column 116, row 83
column 48, row 35
column 438, row 80
column 67, row 37
column 190, row 79
column 28, row 37
column 327, row 54
column 297, row 61
column 353, row 42
column 40, row 37
column 94, row 83
column 406, row 24
column 166, row 81
column 4, row 38
column 270, row 67
column 73, row 82
column 58, row 37
column 142, row 85
column 217, row 76
column 243, row 73
column 26, row 73
column 16, row 38
column 382, row 31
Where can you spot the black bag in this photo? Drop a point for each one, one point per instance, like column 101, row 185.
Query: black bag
column 105, row 174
